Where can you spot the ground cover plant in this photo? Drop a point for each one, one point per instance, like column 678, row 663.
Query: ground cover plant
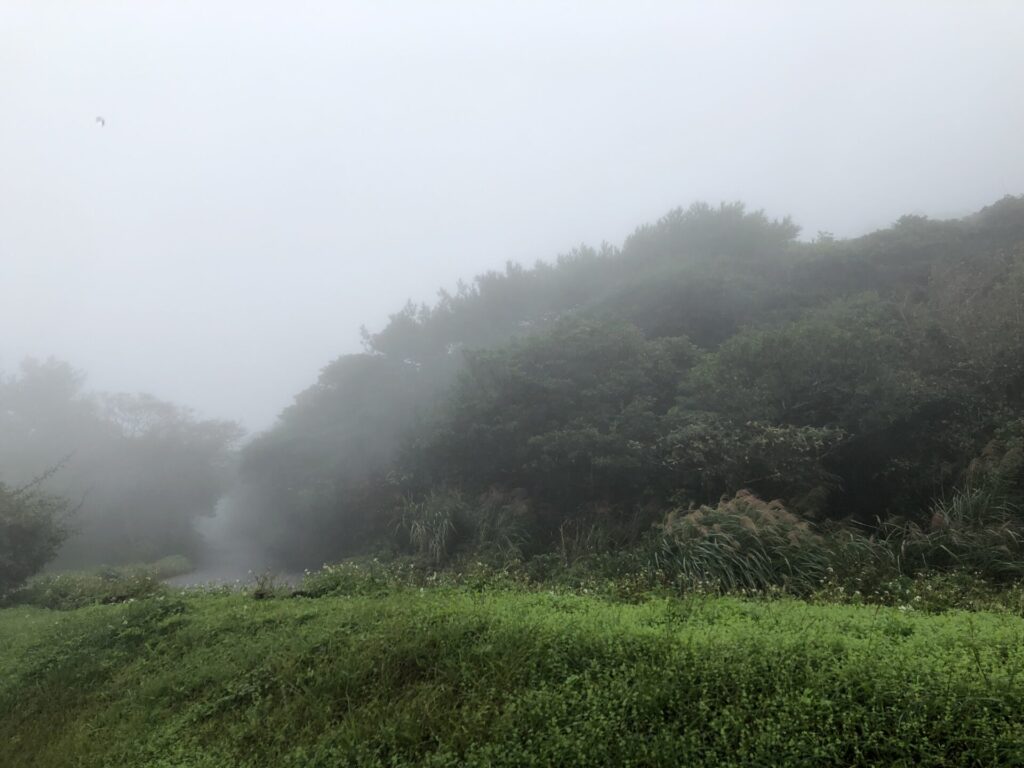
column 65, row 590
column 499, row 676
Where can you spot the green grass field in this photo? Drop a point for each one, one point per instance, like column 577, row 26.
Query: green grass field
column 453, row 676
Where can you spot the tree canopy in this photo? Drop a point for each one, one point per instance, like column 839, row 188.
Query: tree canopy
column 713, row 352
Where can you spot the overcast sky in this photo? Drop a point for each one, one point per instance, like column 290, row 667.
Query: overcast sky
column 273, row 175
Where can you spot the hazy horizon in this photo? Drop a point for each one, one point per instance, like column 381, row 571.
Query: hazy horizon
column 271, row 177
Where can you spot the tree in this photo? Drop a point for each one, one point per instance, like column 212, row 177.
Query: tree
column 32, row 528
column 572, row 416
column 143, row 470
column 711, row 353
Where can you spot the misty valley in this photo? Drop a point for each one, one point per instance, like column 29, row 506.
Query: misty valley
column 716, row 496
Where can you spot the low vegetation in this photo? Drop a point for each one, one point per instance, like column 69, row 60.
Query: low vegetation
column 66, row 590
column 492, row 676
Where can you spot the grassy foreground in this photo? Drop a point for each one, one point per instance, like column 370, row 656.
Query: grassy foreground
column 453, row 676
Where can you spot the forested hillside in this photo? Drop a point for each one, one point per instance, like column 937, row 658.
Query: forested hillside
column 583, row 404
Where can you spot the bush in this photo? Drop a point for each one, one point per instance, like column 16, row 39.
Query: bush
column 363, row 577
column 858, row 561
column 501, row 521
column 976, row 529
column 742, row 543
column 77, row 589
column 31, row 530
column 431, row 524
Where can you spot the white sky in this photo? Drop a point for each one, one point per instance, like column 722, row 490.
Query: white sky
column 273, row 175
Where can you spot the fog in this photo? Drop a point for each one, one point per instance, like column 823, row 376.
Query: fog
column 270, row 176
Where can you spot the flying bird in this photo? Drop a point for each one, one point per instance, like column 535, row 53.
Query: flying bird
column 101, row 121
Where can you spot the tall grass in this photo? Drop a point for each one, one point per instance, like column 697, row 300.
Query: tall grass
column 747, row 543
column 493, row 525
column 743, row 543
column 500, row 522
column 431, row 523
column 978, row 528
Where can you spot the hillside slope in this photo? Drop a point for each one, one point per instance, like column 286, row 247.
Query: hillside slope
column 460, row 677
column 853, row 380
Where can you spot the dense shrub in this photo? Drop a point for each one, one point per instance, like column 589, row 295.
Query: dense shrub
column 711, row 455
column 743, row 542
column 853, row 380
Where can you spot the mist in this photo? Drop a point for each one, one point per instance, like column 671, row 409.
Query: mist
column 270, row 177
column 480, row 383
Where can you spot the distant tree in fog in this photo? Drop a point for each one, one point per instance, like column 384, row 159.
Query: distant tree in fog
column 32, row 528
column 143, row 469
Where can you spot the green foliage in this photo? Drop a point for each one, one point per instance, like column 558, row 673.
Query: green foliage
column 493, row 525
column 747, row 543
column 32, row 528
column 846, row 365
column 702, row 231
column 976, row 529
column 467, row 677
column 170, row 566
column 75, row 589
column 713, row 455
column 571, row 417
column 351, row 578
column 931, row 592
column 854, row 380
column 1000, row 466
column 501, row 523
column 432, row 523
column 743, row 542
